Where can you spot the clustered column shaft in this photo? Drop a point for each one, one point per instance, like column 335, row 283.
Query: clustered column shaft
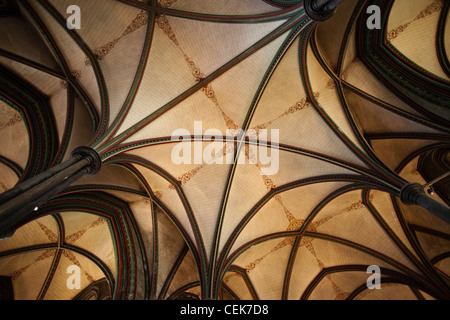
column 320, row 10
column 21, row 203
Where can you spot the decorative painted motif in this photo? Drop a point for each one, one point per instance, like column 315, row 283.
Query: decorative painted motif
column 332, row 85
column 17, row 118
column 158, row 194
column 50, row 254
column 101, row 52
column 189, row 175
column 339, row 293
column 69, row 255
column 436, row 6
column 209, row 92
column 298, row 106
column 77, row 235
column 185, row 178
column 49, row 233
column 307, row 242
column 166, row 3
column 249, row 154
column 52, row 237
column 251, row 266
column 164, row 24
column 44, row 256
column 76, row 74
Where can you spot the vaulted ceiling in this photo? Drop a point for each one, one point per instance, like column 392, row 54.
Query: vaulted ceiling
column 358, row 113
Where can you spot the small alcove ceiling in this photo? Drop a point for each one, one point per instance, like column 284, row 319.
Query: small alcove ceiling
column 357, row 113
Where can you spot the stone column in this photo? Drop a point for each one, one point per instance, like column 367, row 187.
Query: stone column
column 22, row 202
column 321, row 10
column 414, row 194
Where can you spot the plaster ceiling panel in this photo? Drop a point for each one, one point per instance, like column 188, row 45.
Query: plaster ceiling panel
column 186, row 274
column 101, row 21
column 82, row 129
column 238, row 284
column 45, row 82
column 172, row 71
column 58, row 288
column 375, row 119
column 447, row 38
column 222, row 105
column 183, row 62
column 361, row 79
column 170, row 246
column 9, row 177
column 31, row 48
column 285, row 106
column 331, row 34
column 443, row 265
column 212, row 45
column 315, row 254
column 339, row 285
column 260, row 262
column 113, row 175
column 369, row 233
column 73, row 53
column 12, row 128
column 92, row 233
column 329, row 100
column 116, row 34
column 422, row 28
column 233, row 7
column 28, row 271
column 41, row 231
column 286, row 211
column 249, row 187
column 204, row 191
column 393, row 151
column 157, row 183
column 433, row 244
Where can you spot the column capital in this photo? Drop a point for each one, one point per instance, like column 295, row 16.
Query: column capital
column 95, row 161
column 411, row 192
column 6, row 234
column 414, row 193
column 318, row 13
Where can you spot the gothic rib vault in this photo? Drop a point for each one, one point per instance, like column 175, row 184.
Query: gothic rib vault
column 360, row 113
